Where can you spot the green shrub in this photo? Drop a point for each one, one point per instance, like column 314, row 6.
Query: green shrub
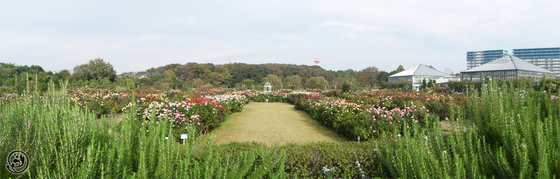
column 434, row 106
column 64, row 142
column 312, row 160
column 503, row 132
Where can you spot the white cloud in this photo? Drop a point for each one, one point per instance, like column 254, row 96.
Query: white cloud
column 140, row 35
column 349, row 25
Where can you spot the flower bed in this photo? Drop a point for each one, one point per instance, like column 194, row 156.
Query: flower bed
column 203, row 113
column 438, row 103
column 111, row 101
column 367, row 122
column 259, row 96
column 184, row 109
column 364, row 120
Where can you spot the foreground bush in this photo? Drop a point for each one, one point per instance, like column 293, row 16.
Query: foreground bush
column 507, row 133
column 502, row 133
column 64, row 142
column 317, row 160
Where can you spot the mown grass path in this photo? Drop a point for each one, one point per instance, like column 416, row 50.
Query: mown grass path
column 272, row 123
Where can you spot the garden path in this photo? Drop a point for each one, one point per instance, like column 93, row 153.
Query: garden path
column 272, row 123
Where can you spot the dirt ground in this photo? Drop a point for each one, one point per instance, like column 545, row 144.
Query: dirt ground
column 272, row 123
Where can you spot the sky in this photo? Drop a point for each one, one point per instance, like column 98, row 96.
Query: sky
column 140, row 34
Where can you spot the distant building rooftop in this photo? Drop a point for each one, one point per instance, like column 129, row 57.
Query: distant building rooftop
column 421, row 70
column 508, row 67
column 508, row 62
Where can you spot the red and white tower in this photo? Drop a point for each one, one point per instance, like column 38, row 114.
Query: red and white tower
column 317, row 60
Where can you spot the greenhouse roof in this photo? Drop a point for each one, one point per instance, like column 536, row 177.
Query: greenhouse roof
column 508, row 62
column 421, row 70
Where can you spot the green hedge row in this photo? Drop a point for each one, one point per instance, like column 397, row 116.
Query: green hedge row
column 264, row 97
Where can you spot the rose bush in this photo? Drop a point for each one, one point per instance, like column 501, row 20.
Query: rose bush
column 367, row 122
column 202, row 113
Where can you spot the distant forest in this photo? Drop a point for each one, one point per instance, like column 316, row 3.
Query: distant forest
column 100, row 74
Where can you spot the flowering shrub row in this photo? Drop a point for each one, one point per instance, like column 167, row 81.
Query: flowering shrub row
column 367, row 121
column 202, row 113
column 8, row 97
column 184, row 109
column 438, row 103
column 259, row 96
column 111, row 101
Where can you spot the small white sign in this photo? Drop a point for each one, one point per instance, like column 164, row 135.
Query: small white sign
column 184, row 136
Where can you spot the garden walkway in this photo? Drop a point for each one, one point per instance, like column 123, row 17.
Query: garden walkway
column 272, row 123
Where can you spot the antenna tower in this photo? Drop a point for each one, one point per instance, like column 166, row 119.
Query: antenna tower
column 317, row 60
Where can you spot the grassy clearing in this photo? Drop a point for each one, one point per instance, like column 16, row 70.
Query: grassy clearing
column 272, row 123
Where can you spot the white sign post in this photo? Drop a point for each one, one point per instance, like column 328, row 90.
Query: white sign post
column 184, row 136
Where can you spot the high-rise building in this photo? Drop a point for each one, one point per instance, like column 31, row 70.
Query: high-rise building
column 477, row 58
column 546, row 58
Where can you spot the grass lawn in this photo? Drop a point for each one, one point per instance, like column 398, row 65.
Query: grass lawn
column 272, row 123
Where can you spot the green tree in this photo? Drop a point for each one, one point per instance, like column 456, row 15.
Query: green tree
column 145, row 82
column 96, row 69
column 247, row 83
column 430, row 83
column 276, row 71
column 317, row 82
column 226, row 77
column 63, row 74
column 35, row 69
column 424, row 84
column 383, row 76
column 198, row 82
column 7, row 72
column 346, row 85
column 368, row 76
column 274, row 80
column 157, row 77
column 216, row 78
column 169, row 76
column 399, row 69
column 293, row 82
column 337, row 82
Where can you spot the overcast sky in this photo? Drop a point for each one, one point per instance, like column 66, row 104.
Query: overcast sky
column 137, row 35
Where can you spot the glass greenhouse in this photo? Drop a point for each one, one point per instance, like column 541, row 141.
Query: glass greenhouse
column 507, row 68
column 412, row 77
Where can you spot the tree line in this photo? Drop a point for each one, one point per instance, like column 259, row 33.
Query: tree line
column 98, row 73
column 244, row 76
